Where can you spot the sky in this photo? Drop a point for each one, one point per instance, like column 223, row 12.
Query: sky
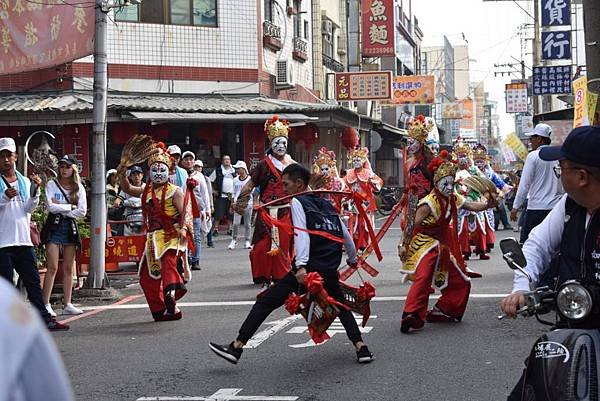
column 490, row 30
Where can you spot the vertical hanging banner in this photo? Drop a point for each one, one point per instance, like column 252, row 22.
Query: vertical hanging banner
column 378, row 28
column 42, row 34
column 556, row 12
column 580, row 112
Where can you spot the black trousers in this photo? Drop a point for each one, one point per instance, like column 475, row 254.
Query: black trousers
column 532, row 219
column 22, row 260
column 275, row 296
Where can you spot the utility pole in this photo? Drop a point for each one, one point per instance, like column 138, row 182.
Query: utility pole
column 98, row 204
column 591, row 27
column 536, row 47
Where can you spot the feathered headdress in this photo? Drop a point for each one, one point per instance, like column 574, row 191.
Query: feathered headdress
column 441, row 167
column 419, row 128
column 480, row 152
column 162, row 156
column 137, row 150
column 358, row 151
column 275, row 128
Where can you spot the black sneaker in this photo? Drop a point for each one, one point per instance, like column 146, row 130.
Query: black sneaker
column 363, row 355
column 196, row 266
column 228, row 352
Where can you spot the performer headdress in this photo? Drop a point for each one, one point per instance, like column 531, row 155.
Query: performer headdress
column 419, row 128
column 480, row 152
column 275, row 128
column 162, row 156
column 462, row 148
column 358, row 151
column 325, row 156
column 441, row 167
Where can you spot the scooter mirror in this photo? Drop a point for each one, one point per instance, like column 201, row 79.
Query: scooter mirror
column 513, row 254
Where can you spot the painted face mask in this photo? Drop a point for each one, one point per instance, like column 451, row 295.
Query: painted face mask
column 480, row 163
column 325, row 170
column 279, row 146
column 159, row 173
column 446, row 186
column 357, row 162
column 463, row 161
column 413, row 146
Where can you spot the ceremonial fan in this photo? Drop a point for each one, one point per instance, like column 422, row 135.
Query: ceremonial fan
column 137, row 150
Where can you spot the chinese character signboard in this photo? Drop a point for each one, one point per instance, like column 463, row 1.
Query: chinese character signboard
column 363, row 86
column 516, row 98
column 378, row 28
column 580, row 108
column 118, row 249
column 552, row 80
column 35, row 35
column 556, row 12
column 452, row 111
column 515, row 144
column 414, row 89
column 556, row 45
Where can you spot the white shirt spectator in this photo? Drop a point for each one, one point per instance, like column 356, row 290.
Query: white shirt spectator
column 201, row 191
column 228, row 175
column 238, row 184
column 538, row 184
column 15, row 215
column 62, row 205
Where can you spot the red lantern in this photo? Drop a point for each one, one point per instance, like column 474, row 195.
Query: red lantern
column 349, row 138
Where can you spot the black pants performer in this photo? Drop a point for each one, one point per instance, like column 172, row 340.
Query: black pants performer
column 22, row 260
column 275, row 296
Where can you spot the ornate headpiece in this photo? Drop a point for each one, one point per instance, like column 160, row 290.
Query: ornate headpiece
column 480, row 152
column 358, row 151
column 463, row 148
column 162, row 156
column 275, row 128
column 325, row 156
column 419, row 128
column 441, row 167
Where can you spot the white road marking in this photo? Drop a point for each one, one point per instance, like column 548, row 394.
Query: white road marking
column 276, row 326
column 245, row 303
column 224, row 394
column 336, row 327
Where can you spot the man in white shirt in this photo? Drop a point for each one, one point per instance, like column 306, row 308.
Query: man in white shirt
column 177, row 175
column 538, row 185
column 571, row 231
column 239, row 182
column 222, row 180
column 18, row 200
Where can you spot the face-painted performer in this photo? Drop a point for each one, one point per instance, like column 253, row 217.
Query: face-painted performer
column 325, row 165
column 433, row 253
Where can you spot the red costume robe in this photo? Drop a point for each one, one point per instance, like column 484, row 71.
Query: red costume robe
column 364, row 183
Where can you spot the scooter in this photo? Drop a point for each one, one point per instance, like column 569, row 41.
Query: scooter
column 564, row 363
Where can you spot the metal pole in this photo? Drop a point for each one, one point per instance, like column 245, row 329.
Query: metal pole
column 536, row 47
column 98, row 204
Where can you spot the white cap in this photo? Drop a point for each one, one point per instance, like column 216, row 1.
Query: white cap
column 8, row 144
column 174, row 150
column 199, row 163
column 110, row 172
column 241, row 164
column 188, row 153
column 541, row 130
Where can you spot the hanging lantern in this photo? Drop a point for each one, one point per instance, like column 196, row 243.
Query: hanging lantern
column 350, row 138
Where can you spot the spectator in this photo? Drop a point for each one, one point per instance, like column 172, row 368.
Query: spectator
column 133, row 204
column 222, row 179
column 177, row 175
column 66, row 201
column 114, row 204
column 238, row 183
column 207, row 222
column 31, row 366
column 18, row 200
column 538, row 185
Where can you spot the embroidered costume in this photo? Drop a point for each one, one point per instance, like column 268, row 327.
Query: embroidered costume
column 325, row 165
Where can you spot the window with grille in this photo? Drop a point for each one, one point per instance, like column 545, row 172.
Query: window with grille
column 171, row 12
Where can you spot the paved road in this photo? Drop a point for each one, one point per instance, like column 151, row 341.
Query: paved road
column 121, row 354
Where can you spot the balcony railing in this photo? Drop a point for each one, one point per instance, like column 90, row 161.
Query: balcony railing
column 300, row 49
column 272, row 36
column 332, row 64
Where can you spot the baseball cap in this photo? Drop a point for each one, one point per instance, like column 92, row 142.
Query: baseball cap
column 108, row 173
column 240, row 164
column 8, row 144
column 70, row 161
column 136, row 169
column 187, row 153
column 174, row 150
column 541, row 130
column 581, row 146
column 199, row 163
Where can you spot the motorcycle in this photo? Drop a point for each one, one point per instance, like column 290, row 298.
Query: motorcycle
column 564, row 363
column 387, row 198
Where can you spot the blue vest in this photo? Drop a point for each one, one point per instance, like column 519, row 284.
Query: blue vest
column 580, row 248
column 325, row 254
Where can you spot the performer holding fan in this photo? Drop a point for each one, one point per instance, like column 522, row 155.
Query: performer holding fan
column 319, row 234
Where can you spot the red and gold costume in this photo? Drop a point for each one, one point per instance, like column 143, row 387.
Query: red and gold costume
column 433, row 258
column 164, row 260
column 270, row 257
column 333, row 182
column 364, row 182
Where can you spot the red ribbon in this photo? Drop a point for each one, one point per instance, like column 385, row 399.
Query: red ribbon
column 292, row 303
column 313, row 283
column 362, row 215
column 365, row 292
column 316, row 337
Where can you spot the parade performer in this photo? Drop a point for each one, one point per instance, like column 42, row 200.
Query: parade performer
column 325, row 165
column 434, row 256
column 361, row 180
column 471, row 226
column 167, row 214
column 481, row 159
column 270, row 255
column 319, row 238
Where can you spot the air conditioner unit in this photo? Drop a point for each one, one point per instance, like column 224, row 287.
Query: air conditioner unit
column 283, row 73
column 327, row 27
